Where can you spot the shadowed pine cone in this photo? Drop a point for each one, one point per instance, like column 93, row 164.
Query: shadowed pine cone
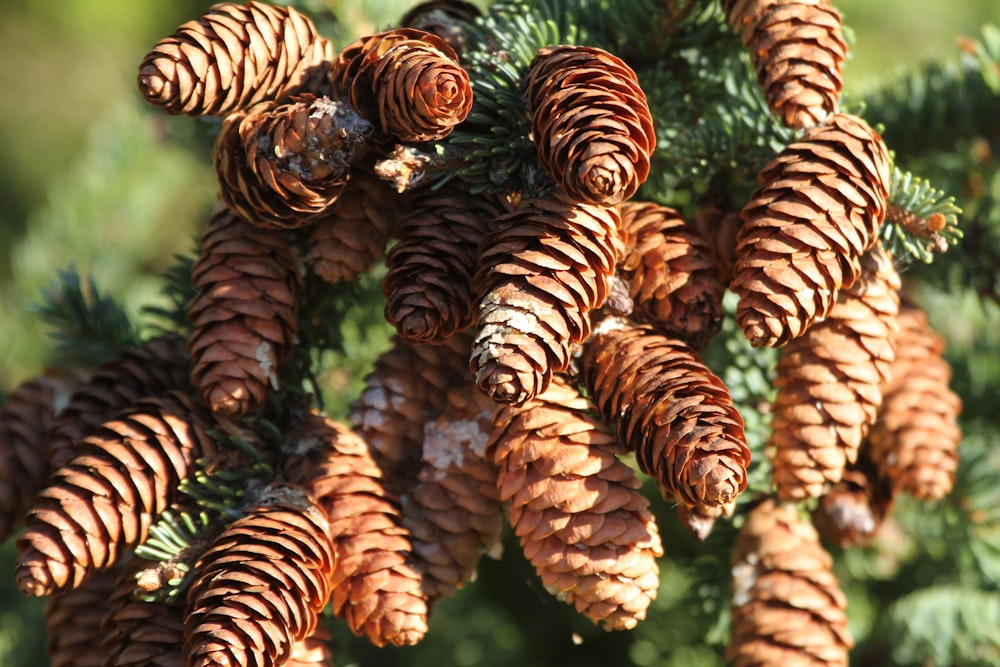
column 73, row 619
column 819, row 209
column 719, row 228
column 591, row 123
column 578, row 511
column 448, row 19
column 852, row 511
column 233, row 57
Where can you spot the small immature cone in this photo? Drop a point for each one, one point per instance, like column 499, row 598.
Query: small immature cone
column 851, row 512
column 577, row 510
column 233, row 57
column 73, row 619
column 591, row 123
column 448, row 19
column 243, row 314
column 548, row 265
column 820, row 207
column 788, row 608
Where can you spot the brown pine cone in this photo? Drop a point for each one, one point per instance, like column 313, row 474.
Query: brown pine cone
column 73, row 619
column 700, row 519
column 673, row 281
column 788, row 608
column 578, row 511
column 243, row 315
column 819, row 209
column 543, row 271
column 915, row 440
column 829, row 383
column 591, row 123
column 719, row 229
column 313, row 651
column 103, row 502
column 448, row 19
column 233, row 57
column 855, row 507
column 797, row 48
column 671, row 409
column 260, row 586
column 428, row 277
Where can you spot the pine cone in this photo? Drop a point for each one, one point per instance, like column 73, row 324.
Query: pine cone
column 719, row 228
column 915, row 440
column 578, row 511
column 671, row 409
column 244, row 314
column 313, row 651
column 672, row 279
column 829, row 381
column 820, row 207
column 788, row 608
column 850, row 512
column 105, row 499
column 797, row 49
column 591, row 123
column 448, row 19
column 233, row 57
column 540, row 275
column 700, row 519
column 259, row 588
column 73, row 619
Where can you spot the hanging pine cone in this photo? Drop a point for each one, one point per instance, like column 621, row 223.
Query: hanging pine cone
column 788, row 608
column 233, row 57
column 700, row 519
column 578, row 511
column 313, row 651
column 591, row 123
column 850, row 512
column 105, row 499
column 820, row 207
column 243, row 315
column 671, row 409
column 718, row 228
column 73, row 619
column 672, row 279
column 540, row 274
column 915, row 440
column 448, row 19
column 829, row 381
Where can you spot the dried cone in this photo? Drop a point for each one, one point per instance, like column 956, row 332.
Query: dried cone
column 855, row 507
column 671, row 409
column 243, row 314
column 915, row 440
column 540, row 274
column 672, row 278
column 819, row 209
column 700, row 519
column 591, row 123
column 73, row 620
column 313, row 651
column 448, row 19
column 103, row 502
column 375, row 586
column 797, row 48
column 829, row 384
column 233, row 57
column 261, row 585
column 719, row 228
column 577, row 510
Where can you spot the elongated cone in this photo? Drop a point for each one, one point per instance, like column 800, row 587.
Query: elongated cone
column 670, row 409
column 829, row 384
column 591, row 123
column 577, row 510
column 719, row 227
column 376, row 587
column 797, row 48
column 915, row 439
column 243, row 314
column 428, row 277
column 233, row 57
column 540, row 275
column 104, row 501
column 73, row 619
column 852, row 511
column 448, row 19
column 673, row 281
column 260, row 586
column 283, row 166
column 788, row 608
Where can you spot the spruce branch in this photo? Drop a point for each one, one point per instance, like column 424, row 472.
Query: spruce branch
column 921, row 220
column 174, row 543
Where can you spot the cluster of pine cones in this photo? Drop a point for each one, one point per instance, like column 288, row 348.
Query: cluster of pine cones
column 541, row 337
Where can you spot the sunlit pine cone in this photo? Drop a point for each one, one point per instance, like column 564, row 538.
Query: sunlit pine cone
column 243, row 315
column 718, row 228
column 103, row 502
column 448, row 19
column 788, row 608
column 797, row 48
column 283, row 166
column 260, row 586
column 233, row 57
column 313, row 651
column 376, row 587
column 673, row 281
column 540, row 275
column 915, row 439
column 819, row 209
column 577, row 510
column 700, row 519
column 852, row 511
column 591, row 123
column 428, row 277
column 670, row 409
column 829, row 383
column 73, row 619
